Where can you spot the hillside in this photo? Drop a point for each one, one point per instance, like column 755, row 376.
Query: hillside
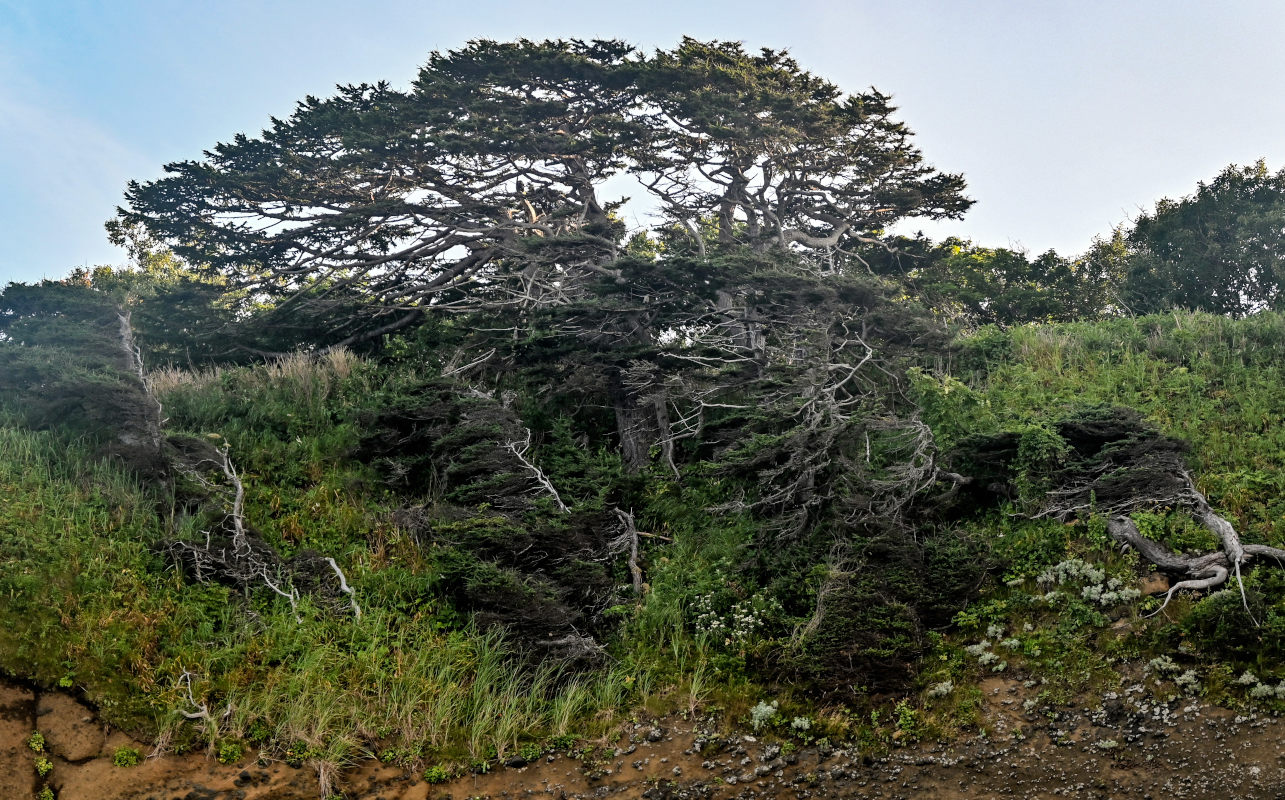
column 494, row 611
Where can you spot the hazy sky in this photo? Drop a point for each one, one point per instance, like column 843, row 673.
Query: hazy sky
column 1065, row 117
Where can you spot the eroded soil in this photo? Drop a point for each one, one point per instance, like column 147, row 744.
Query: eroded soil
column 1129, row 746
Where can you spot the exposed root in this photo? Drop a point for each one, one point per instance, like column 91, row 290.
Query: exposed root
column 1201, row 572
column 1218, row 576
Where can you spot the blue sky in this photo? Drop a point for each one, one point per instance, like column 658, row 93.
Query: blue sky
column 1065, row 117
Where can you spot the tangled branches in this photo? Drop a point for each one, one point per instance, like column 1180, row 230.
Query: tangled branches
column 232, row 553
column 1110, row 461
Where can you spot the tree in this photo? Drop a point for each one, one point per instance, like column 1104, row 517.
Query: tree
column 480, row 186
column 68, row 360
column 999, row 285
column 477, row 191
column 745, row 340
column 1221, row 249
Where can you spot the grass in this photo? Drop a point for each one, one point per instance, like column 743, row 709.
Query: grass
column 91, row 605
column 90, row 600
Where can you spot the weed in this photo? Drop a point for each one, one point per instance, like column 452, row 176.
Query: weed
column 437, row 774
column 529, row 752
column 127, row 757
column 562, row 742
column 44, row 766
column 230, row 752
column 763, row 714
column 36, row 742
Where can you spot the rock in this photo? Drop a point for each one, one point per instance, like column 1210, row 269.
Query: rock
column 69, row 727
column 1155, row 583
column 655, row 734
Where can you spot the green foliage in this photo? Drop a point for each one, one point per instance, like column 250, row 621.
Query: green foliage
column 229, row 752
column 1221, row 249
column 647, row 474
column 997, row 285
column 36, row 742
column 437, row 774
column 43, row 766
column 127, row 757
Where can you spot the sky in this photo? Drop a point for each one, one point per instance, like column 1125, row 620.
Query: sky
column 1066, row 118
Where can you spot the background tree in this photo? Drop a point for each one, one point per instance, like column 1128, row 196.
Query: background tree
column 999, row 285
column 1221, row 249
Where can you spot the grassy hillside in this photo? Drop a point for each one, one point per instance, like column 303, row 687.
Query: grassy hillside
column 467, row 572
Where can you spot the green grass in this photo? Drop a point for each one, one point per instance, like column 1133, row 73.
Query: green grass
column 90, row 603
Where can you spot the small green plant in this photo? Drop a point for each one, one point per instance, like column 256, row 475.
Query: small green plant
column 230, row 752
column 44, row 766
column 530, row 752
column 127, row 757
column 298, row 753
column 45, row 794
column 563, row 741
column 437, row 774
column 258, row 732
column 36, row 742
column 909, row 725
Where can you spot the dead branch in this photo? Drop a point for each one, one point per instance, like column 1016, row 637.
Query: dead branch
column 629, row 539
column 519, row 449
column 345, row 588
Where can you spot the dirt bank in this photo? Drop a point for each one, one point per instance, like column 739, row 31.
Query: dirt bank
column 1128, row 746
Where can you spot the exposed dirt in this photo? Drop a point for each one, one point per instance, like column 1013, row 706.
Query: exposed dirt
column 1129, row 746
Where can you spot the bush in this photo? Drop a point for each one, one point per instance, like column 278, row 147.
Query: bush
column 230, row 752
column 127, row 757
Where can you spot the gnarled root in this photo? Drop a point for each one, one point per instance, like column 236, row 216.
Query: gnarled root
column 1197, row 572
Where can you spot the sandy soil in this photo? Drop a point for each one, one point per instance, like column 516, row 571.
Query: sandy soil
column 1128, row 747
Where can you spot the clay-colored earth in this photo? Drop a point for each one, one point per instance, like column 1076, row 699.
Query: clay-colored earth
column 1129, row 747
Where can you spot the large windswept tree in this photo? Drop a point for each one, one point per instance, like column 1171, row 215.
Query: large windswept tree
column 480, row 189
column 743, row 333
column 481, row 186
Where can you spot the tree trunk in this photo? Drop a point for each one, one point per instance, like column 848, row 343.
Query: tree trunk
column 635, row 425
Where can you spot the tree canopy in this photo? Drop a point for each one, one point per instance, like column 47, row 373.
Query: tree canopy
column 482, row 185
column 1221, row 249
